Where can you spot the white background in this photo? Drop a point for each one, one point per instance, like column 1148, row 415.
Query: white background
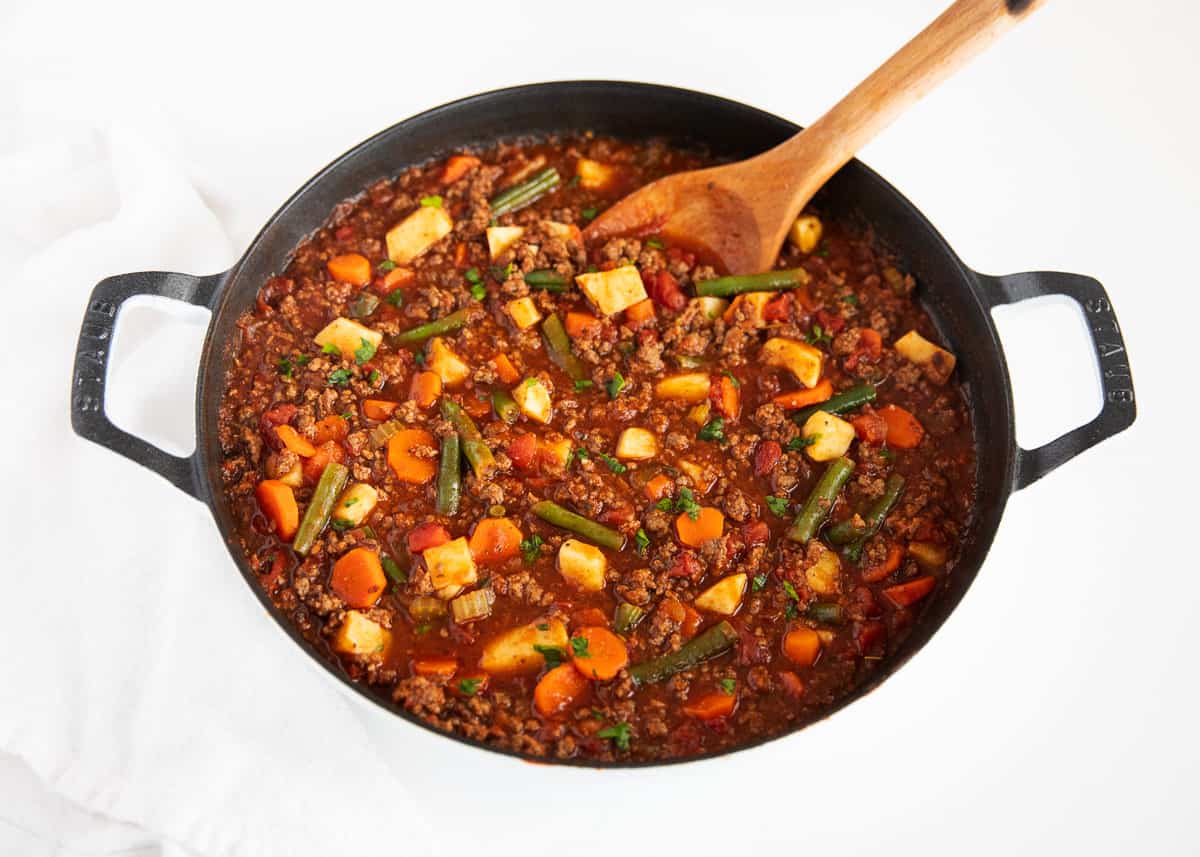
column 1057, row 709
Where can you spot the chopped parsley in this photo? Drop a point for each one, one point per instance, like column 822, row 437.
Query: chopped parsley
column 592, row 269
column 373, row 378
column 589, row 213
column 501, row 274
column 574, row 180
column 713, row 430
column 641, row 540
column 386, row 265
column 687, row 503
column 419, row 358
column 798, row 443
column 579, row 647
column 886, row 454
column 613, row 465
column 619, row 733
column 581, row 454
column 341, row 525
column 655, row 243
column 778, row 505
column 584, row 384
column 469, row 686
column 330, row 348
column 364, row 352
column 759, row 581
column 554, row 656
column 349, row 502
column 728, row 685
column 615, row 385
column 339, row 377
column 393, row 569
column 395, row 297
column 791, row 591
column 478, row 291
column 823, row 250
column 423, row 628
column 433, row 201
column 665, row 504
column 472, row 275
column 302, row 359
column 531, row 548
column 818, row 335
column 284, row 367
column 543, row 626
column 851, row 299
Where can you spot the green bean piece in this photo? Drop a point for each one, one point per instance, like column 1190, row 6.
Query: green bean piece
column 520, row 195
column 393, row 569
column 449, row 479
column 768, row 281
column 558, row 346
column 547, row 280
column 474, row 447
column 505, row 405
column 714, row 641
column 825, row 612
column 626, row 617
column 876, row 514
column 844, row 532
column 320, row 507
column 552, row 513
column 816, row 508
column 363, row 305
column 847, row 400
column 446, row 324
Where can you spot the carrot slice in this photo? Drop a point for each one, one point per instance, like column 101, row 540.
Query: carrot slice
column 712, row 706
column 358, row 578
column 604, row 655
column 313, row 467
column 658, row 487
column 435, row 667
column 425, row 535
column 891, row 562
column 904, row 431
column 351, row 268
column 425, row 389
column 801, row 646
column 691, row 622
column 379, row 409
column 398, row 278
column 870, row 428
column 458, row 166
column 495, row 539
column 709, row 524
column 295, row 441
column 279, row 504
column 407, row 466
column 579, row 324
column 333, row 428
column 910, row 592
column 725, row 397
column 803, row 398
column 505, row 369
column 558, row 690
column 640, row 313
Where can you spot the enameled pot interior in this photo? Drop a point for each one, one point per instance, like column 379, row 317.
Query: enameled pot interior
column 638, row 111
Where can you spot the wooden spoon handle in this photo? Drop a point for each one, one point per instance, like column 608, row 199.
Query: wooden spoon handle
column 957, row 35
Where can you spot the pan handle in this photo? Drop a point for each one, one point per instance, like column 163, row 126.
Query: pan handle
column 88, row 416
column 1112, row 361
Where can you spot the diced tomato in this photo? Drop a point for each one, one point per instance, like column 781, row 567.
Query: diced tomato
column 778, row 309
column 686, row 564
column 664, row 290
column 870, row 428
column 620, row 512
column 523, row 450
column 830, row 322
column 272, row 417
column 426, row 535
column 756, row 532
column 766, row 456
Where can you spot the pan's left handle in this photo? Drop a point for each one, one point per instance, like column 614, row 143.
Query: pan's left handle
column 88, row 416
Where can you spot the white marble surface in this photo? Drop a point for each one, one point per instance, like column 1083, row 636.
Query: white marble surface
column 1055, row 710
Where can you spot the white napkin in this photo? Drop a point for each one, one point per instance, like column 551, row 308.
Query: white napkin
column 138, row 677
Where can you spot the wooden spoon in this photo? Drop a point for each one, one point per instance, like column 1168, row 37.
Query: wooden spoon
column 739, row 214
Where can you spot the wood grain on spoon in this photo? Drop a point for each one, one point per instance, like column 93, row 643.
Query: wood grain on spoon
column 739, row 214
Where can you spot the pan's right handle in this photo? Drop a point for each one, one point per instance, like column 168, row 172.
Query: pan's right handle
column 88, row 416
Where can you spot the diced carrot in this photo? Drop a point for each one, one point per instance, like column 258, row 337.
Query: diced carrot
column 333, row 428
column 891, row 562
column 803, row 398
column 351, row 268
column 523, row 450
column 379, row 409
column 589, row 616
column 870, row 342
column 358, row 578
column 691, row 622
column 458, row 166
column 712, row 706
column 801, row 646
column 435, row 667
column 792, row 685
column 407, row 466
column 870, row 428
column 709, row 524
column 460, row 254
column 579, row 324
column 640, row 313
column 425, row 389
column 804, row 297
column 558, row 690
column 505, row 369
column 910, row 592
column 495, row 540
column 279, row 504
column 398, row 278
column 604, row 656
column 725, row 396
column 904, row 431
column 428, row 534
column 479, row 405
column 295, row 441
column 313, row 467
column 658, row 487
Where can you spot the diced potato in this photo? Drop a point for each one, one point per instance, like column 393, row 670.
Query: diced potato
column 637, row 444
column 359, row 635
column 565, row 231
column 928, row 555
column 689, row 387
column 294, row 478
column 801, row 359
column 822, row 576
column 915, row 348
column 702, row 478
column 451, row 567
column 355, row 504
column 615, row 290
column 756, row 302
column 533, row 399
column 806, row 233
column 582, row 564
column 347, row 336
column 416, row 233
column 500, row 238
column 700, row 413
column 451, row 368
column 514, row 652
column 724, row 596
column 833, row 436
column 594, row 175
column 710, row 307
column 557, row 452
column 524, row 312
column 827, row 636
